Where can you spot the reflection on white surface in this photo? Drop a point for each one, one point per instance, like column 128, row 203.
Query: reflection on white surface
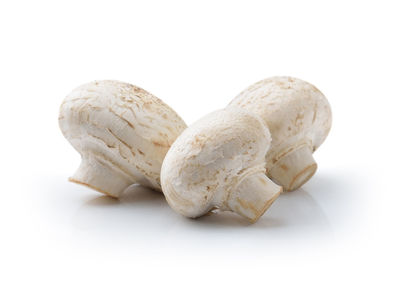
column 81, row 229
column 141, row 219
column 140, row 205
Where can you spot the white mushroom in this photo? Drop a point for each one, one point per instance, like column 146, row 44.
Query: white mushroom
column 218, row 162
column 122, row 133
column 299, row 118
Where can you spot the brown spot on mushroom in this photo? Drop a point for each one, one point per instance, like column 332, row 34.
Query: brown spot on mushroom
column 315, row 114
column 120, row 152
column 199, row 141
column 119, row 139
column 150, row 118
column 97, row 108
column 138, row 90
column 101, row 139
column 160, row 144
column 284, row 167
column 262, row 181
column 140, row 152
column 147, row 105
column 299, row 116
column 211, row 188
column 133, row 112
column 119, row 116
column 144, row 125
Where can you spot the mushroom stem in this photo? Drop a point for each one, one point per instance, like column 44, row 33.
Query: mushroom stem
column 253, row 196
column 96, row 175
column 294, row 169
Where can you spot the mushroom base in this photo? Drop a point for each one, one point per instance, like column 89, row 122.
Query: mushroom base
column 100, row 177
column 253, row 196
column 294, row 169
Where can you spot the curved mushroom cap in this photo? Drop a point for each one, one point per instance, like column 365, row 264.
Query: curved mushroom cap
column 218, row 162
column 299, row 118
column 122, row 133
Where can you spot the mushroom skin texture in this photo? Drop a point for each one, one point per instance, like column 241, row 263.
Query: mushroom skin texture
column 299, row 118
column 219, row 163
column 122, row 133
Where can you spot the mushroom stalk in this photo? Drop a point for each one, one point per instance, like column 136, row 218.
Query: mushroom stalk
column 96, row 174
column 294, row 169
column 253, row 196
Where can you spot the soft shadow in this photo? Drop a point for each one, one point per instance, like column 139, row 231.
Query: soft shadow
column 300, row 210
column 137, row 208
column 290, row 209
column 294, row 219
column 297, row 208
column 135, row 194
column 342, row 195
column 227, row 219
column 220, row 219
column 102, row 201
column 334, row 182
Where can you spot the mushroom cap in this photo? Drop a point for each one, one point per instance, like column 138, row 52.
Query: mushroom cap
column 211, row 157
column 295, row 111
column 122, row 126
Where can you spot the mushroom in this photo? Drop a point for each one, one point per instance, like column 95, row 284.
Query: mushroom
column 218, row 163
column 299, row 118
column 122, row 133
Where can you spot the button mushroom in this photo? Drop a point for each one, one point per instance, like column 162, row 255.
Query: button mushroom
column 299, row 118
column 218, row 162
column 122, row 133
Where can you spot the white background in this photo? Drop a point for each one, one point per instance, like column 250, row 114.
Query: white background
column 342, row 227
